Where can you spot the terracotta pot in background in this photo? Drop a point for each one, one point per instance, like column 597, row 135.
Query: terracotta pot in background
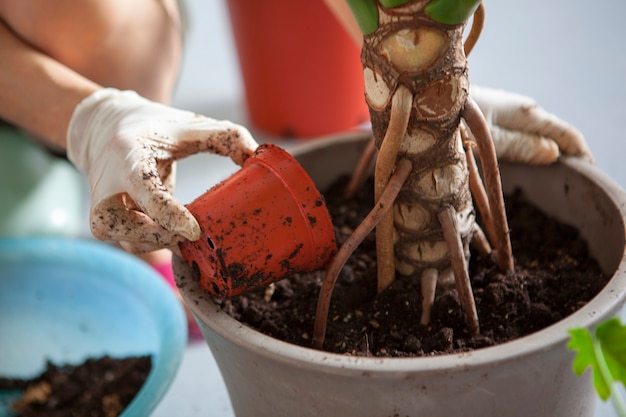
column 530, row 376
column 301, row 71
column 264, row 222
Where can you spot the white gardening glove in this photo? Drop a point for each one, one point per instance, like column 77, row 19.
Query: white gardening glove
column 524, row 132
column 127, row 145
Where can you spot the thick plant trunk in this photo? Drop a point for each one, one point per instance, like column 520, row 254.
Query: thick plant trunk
column 410, row 51
column 417, row 89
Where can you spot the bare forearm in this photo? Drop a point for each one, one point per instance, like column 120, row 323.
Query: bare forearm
column 37, row 93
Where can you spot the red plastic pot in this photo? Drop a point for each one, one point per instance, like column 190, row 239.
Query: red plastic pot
column 266, row 221
column 301, row 71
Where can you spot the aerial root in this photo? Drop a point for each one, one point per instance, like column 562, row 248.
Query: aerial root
column 428, row 281
column 367, row 225
column 477, row 27
column 401, row 104
column 480, row 243
column 493, row 185
column 459, row 267
column 362, row 169
column 478, row 188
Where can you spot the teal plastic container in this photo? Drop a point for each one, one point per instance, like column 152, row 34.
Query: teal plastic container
column 40, row 194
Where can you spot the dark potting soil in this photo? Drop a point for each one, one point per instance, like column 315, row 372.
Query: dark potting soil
column 98, row 387
column 553, row 277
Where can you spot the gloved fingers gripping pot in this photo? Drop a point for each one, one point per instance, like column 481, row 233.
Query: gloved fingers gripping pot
column 127, row 146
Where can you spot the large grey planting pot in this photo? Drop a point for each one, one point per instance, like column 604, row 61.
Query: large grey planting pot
column 530, row 376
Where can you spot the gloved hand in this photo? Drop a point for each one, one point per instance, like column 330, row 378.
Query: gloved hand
column 127, row 146
column 522, row 131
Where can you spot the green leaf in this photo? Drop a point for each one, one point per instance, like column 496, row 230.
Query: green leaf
column 582, row 341
column 606, row 355
column 393, row 3
column 612, row 337
column 366, row 14
column 451, row 12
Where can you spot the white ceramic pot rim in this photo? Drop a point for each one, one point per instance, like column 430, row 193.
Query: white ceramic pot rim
column 606, row 304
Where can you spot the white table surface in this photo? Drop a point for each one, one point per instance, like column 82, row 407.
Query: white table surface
column 569, row 55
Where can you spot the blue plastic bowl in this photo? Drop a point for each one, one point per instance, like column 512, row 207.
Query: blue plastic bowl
column 65, row 300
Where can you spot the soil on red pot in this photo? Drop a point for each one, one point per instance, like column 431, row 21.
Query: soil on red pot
column 554, row 276
column 98, row 387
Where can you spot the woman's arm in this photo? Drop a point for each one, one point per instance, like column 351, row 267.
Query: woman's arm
column 37, row 93
column 53, row 54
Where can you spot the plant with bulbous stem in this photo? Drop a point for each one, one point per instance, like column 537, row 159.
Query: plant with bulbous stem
column 417, row 89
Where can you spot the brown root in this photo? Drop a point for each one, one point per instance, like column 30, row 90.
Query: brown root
column 478, row 189
column 428, row 281
column 373, row 218
column 401, row 104
column 459, row 267
column 477, row 27
column 478, row 125
column 362, row 169
column 480, row 242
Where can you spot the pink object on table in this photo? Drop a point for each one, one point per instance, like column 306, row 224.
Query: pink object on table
column 165, row 270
